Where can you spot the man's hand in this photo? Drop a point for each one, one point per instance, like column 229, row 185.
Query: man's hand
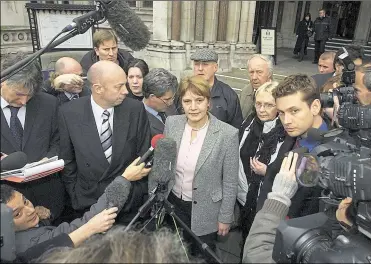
column 223, row 229
column 257, row 166
column 67, row 79
column 103, row 221
column 42, row 212
column 134, row 172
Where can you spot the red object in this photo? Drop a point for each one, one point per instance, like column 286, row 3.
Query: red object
column 155, row 139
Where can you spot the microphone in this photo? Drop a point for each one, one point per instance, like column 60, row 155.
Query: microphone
column 118, row 191
column 145, row 158
column 127, row 25
column 315, row 134
column 84, row 22
column 14, row 161
column 163, row 169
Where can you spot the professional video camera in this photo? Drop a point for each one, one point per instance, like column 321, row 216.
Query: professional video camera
column 344, row 93
column 343, row 169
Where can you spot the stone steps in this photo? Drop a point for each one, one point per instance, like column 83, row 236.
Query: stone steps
column 336, row 43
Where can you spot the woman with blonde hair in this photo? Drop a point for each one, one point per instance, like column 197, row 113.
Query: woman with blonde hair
column 205, row 187
column 261, row 137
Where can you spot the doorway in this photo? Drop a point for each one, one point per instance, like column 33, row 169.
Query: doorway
column 343, row 16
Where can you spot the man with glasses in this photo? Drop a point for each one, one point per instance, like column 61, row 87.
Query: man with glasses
column 159, row 87
column 225, row 104
column 29, row 124
column 67, row 82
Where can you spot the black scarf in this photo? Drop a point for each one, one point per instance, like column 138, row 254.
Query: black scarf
column 248, row 149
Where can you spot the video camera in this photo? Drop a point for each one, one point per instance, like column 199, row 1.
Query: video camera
column 344, row 93
column 343, row 169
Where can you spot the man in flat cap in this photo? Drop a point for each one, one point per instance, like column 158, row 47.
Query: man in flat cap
column 225, row 104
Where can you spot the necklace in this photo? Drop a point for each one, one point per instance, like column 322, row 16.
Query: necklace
column 198, row 129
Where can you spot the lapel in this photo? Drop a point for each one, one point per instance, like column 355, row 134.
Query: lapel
column 5, row 131
column 32, row 111
column 62, row 98
column 89, row 135
column 155, row 123
column 209, row 142
column 121, row 123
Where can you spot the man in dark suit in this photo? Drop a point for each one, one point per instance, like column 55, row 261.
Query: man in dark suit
column 101, row 135
column 159, row 87
column 66, row 82
column 29, row 124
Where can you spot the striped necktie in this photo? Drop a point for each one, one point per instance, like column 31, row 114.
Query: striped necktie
column 16, row 126
column 106, row 136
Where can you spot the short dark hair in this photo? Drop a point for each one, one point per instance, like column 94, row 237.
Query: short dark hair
column 7, row 193
column 298, row 83
column 140, row 64
column 158, row 81
column 30, row 77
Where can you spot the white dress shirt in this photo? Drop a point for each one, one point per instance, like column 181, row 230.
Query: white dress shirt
column 21, row 112
column 98, row 115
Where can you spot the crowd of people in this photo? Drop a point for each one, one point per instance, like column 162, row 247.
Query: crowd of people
column 99, row 116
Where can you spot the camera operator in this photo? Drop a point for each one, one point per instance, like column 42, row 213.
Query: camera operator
column 260, row 242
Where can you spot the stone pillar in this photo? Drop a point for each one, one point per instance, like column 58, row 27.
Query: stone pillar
column 200, row 20
column 14, row 14
column 187, row 21
column 275, row 13
column 211, row 21
column 250, row 21
column 233, row 22
column 243, row 21
column 222, row 21
column 161, row 20
column 288, row 24
column 314, row 8
column 175, row 18
column 363, row 24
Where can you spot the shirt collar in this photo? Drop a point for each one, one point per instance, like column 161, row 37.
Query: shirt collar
column 98, row 110
column 3, row 103
column 150, row 110
column 70, row 95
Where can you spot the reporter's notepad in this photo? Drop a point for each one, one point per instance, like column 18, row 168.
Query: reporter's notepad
column 33, row 171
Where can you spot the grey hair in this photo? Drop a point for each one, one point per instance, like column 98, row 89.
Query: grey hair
column 118, row 246
column 267, row 59
column 30, row 77
column 267, row 87
column 158, row 81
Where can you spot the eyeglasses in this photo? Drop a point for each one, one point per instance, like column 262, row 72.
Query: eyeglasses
column 168, row 101
column 258, row 105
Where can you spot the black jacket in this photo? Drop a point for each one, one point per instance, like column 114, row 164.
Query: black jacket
column 303, row 26
column 91, row 57
column 225, row 104
column 322, row 28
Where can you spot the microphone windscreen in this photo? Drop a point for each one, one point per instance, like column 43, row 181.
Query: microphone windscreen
column 118, row 192
column 315, row 134
column 14, row 161
column 127, row 25
column 155, row 140
column 164, row 162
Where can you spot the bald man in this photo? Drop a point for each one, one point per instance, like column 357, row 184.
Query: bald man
column 101, row 135
column 66, row 83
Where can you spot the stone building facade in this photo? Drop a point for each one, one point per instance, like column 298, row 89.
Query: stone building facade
column 229, row 27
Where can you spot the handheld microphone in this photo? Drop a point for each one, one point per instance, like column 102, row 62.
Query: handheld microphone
column 145, row 158
column 13, row 161
column 163, row 169
column 84, row 22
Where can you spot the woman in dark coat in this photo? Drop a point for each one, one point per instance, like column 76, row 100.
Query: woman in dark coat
column 303, row 31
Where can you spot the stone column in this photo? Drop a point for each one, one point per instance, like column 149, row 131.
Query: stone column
column 250, row 21
column 233, row 22
column 288, row 24
column 161, row 20
column 275, row 13
column 200, row 20
column 187, row 21
column 222, row 21
column 363, row 24
column 175, row 18
column 243, row 21
column 211, row 21
column 314, row 8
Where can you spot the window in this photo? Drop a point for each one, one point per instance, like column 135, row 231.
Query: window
column 148, row 4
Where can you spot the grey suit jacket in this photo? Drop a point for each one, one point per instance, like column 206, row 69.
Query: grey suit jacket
column 216, row 175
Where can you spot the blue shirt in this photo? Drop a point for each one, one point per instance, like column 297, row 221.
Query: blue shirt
column 152, row 111
column 310, row 143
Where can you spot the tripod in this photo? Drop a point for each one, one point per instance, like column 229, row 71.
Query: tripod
column 157, row 199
